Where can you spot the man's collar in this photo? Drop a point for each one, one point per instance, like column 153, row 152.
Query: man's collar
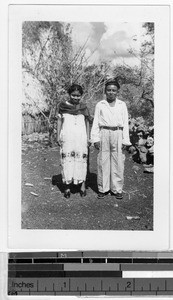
column 116, row 102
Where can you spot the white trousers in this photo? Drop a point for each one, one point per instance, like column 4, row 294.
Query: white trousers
column 110, row 162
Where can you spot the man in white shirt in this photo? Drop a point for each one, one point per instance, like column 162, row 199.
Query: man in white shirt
column 110, row 131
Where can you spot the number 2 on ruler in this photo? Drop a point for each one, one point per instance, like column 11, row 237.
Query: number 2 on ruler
column 128, row 284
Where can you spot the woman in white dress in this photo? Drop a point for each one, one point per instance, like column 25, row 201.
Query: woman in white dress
column 73, row 137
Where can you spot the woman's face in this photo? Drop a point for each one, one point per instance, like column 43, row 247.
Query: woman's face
column 75, row 97
column 111, row 92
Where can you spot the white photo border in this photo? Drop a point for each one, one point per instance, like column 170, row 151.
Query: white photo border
column 158, row 239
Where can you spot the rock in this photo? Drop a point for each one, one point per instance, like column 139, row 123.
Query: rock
column 136, row 168
column 132, row 150
column 133, row 218
column 149, row 170
column 29, row 184
column 34, row 194
column 147, row 166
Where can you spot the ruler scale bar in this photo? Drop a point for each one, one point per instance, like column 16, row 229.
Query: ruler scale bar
column 91, row 266
column 56, row 260
column 36, row 267
column 87, row 284
column 90, row 273
column 146, row 267
column 119, row 260
column 96, row 254
column 49, row 273
column 147, row 274
column 90, row 260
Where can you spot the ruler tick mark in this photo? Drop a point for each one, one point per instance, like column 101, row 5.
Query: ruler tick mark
column 101, row 285
column 133, row 284
column 165, row 285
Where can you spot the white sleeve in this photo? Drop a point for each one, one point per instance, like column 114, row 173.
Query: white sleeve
column 126, row 137
column 95, row 130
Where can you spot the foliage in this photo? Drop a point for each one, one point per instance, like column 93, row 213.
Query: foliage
column 50, row 64
column 137, row 83
column 49, row 57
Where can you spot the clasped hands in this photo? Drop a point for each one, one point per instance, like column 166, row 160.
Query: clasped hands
column 59, row 142
column 97, row 146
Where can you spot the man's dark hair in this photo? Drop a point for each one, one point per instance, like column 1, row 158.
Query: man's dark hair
column 112, row 81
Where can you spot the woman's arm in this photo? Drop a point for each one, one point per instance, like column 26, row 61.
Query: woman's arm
column 95, row 131
column 87, row 129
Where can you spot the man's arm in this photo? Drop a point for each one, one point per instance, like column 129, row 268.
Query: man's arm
column 126, row 137
column 59, row 126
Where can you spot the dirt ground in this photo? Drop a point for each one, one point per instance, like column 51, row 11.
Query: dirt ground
column 44, row 205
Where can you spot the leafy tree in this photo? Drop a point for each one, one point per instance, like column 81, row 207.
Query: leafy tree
column 138, row 82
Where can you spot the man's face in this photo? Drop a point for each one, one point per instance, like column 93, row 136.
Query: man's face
column 111, row 92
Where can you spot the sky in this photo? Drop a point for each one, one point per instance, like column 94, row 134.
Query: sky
column 109, row 41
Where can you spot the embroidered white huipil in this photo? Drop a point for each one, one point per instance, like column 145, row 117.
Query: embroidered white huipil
column 110, row 161
column 73, row 148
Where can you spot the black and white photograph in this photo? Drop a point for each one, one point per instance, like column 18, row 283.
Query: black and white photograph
column 87, row 125
column 88, row 112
